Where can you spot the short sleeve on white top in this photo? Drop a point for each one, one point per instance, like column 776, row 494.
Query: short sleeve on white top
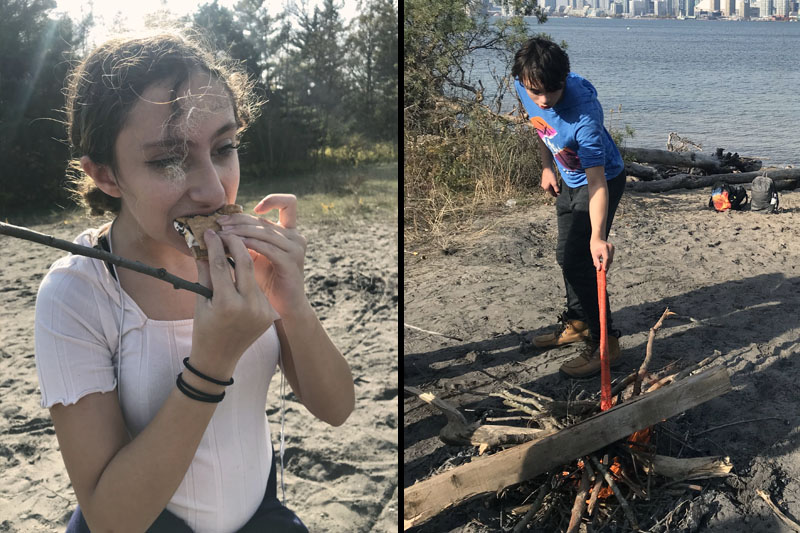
column 75, row 331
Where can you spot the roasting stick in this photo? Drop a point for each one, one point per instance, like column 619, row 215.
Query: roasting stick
column 49, row 240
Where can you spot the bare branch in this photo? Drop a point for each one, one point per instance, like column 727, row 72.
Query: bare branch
column 637, row 386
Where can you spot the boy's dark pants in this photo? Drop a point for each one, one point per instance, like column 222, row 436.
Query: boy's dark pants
column 572, row 251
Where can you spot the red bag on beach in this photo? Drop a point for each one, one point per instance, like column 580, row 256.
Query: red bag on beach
column 724, row 197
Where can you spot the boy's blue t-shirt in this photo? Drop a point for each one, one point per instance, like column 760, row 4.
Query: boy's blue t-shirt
column 573, row 131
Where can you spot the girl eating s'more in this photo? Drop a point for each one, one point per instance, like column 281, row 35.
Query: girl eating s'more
column 158, row 395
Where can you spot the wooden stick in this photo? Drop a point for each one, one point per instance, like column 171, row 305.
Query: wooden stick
column 620, row 498
column 637, row 385
column 737, row 423
column 540, row 397
column 543, row 491
column 687, row 469
column 580, row 501
column 516, row 406
column 425, row 499
column 49, row 240
column 415, row 328
column 785, row 519
column 519, row 399
column 598, row 484
column 694, row 368
column 449, row 410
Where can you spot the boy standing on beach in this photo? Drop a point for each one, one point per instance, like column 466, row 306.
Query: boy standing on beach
column 564, row 110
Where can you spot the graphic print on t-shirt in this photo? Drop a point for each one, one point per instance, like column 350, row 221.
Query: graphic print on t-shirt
column 568, row 158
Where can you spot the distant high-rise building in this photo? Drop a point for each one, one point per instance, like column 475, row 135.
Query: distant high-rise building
column 781, row 8
column 727, row 7
column 742, row 9
column 765, row 8
column 636, row 8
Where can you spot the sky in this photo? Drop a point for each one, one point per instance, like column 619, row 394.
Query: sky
column 134, row 11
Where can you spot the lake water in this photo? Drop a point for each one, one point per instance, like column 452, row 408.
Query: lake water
column 726, row 84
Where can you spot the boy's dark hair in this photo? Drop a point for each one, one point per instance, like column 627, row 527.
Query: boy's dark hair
column 541, row 62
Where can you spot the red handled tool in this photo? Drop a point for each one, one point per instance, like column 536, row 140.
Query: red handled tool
column 605, row 365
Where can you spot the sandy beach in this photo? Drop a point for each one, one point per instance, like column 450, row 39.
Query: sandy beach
column 337, row 479
column 732, row 278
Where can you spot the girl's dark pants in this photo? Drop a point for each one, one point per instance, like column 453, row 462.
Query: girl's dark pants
column 572, row 251
column 271, row 515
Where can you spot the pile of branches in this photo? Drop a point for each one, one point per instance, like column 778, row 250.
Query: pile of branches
column 572, row 466
column 625, row 483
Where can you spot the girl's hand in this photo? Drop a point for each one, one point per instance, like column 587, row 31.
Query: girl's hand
column 602, row 253
column 236, row 315
column 277, row 249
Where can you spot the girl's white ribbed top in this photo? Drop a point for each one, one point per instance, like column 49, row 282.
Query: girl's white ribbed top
column 76, row 337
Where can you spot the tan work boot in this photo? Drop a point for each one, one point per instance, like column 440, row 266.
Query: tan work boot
column 587, row 363
column 569, row 331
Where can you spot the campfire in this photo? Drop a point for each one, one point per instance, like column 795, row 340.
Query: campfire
column 573, row 467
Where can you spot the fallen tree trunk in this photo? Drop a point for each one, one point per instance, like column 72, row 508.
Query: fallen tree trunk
column 718, row 163
column 644, row 172
column 707, row 162
column 686, row 181
column 784, row 185
column 427, row 498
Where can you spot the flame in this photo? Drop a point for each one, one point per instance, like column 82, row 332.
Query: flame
column 641, row 437
column 605, row 493
column 616, row 467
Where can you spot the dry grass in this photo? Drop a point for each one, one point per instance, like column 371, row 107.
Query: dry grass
column 469, row 168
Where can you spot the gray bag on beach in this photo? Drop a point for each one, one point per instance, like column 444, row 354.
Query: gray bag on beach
column 763, row 195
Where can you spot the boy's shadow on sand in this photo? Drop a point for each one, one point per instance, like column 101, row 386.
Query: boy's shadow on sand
column 741, row 319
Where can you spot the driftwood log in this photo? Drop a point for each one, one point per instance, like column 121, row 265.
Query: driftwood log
column 784, row 179
column 717, row 163
column 644, row 172
column 709, row 163
column 425, row 499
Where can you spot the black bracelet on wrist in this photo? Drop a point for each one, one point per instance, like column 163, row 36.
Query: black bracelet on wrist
column 196, row 394
column 199, row 374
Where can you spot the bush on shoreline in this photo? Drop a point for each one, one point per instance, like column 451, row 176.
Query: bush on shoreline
column 459, row 152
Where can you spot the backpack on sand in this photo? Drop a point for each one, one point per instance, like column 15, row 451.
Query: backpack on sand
column 724, row 197
column 763, row 195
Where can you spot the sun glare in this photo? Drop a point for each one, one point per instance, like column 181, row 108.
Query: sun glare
column 112, row 17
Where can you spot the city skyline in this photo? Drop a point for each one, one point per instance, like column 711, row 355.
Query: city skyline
column 705, row 9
